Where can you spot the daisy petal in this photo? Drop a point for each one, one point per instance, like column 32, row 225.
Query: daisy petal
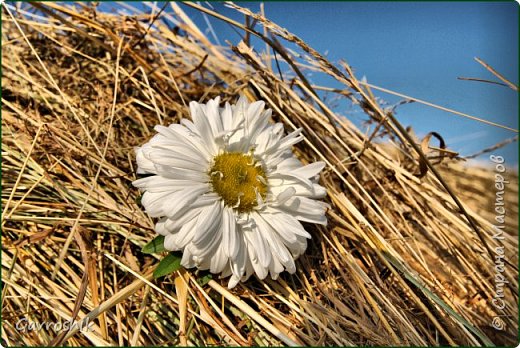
column 218, row 261
column 239, row 263
column 144, row 165
column 178, row 202
column 262, row 251
column 310, row 170
column 207, row 224
column 230, row 242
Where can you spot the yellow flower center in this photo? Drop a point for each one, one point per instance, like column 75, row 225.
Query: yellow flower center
column 237, row 178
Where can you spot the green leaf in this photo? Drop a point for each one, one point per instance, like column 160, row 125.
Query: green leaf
column 204, row 278
column 155, row 246
column 170, row 264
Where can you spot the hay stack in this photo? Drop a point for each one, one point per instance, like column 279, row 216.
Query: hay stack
column 400, row 262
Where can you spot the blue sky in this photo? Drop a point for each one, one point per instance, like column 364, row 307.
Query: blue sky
column 415, row 48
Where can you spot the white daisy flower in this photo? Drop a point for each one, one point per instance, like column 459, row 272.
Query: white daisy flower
column 229, row 192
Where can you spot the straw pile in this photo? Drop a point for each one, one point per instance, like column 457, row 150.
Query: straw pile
column 403, row 260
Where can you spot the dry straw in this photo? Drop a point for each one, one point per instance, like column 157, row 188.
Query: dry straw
column 407, row 257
